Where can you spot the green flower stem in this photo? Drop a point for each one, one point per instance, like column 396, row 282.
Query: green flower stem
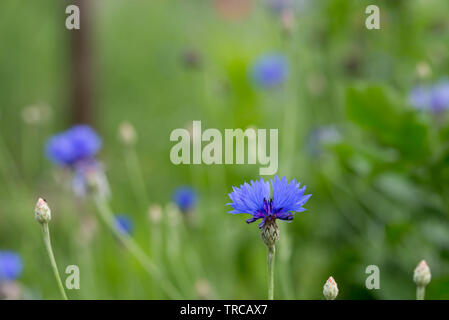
column 135, row 171
column 420, row 292
column 47, row 242
column 270, row 262
column 108, row 218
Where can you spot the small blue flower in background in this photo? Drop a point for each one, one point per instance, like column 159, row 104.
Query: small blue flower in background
column 256, row 199
column 434, row 98
column 124, row 224
column 280, row 5
column 10, row 266
column 76, row 144
column 420, row 97
column 283, row 5
column 440, row 95
column 319, row 137
column 185, row 198
column 76, row 149
column 270, row 70
column 86, row 172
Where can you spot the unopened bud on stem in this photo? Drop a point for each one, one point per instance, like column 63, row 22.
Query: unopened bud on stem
column 422, row 275
column 330, row 289
column 127, row 133
column 42, row 212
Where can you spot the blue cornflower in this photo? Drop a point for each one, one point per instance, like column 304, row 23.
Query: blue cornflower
column 433, row 98
column 185, row 198
column 76, row 149
column 10, row 266
column 286, row 199
column 76, row 144
column 124, row 224
column 270, row 70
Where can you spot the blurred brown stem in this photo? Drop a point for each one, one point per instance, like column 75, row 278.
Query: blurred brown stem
column 81, row 80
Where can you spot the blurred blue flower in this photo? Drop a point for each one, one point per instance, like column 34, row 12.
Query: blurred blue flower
column 185, row 198
column 440, row 95
column 87, row 173
column 283, row 5
column 254, row 198
column 321, row 136
column 270, row 70
column 124, row 224
column 10, row 266
column 78, row 143
column 434, row 98
column 280, row 5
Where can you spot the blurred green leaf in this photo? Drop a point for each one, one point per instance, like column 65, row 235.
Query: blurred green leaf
column 378, row 111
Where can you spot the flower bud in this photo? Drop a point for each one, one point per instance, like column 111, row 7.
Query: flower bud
column 330, row 289
column 42, row 212
column 155, row 213
column 422, row 275
column 270, row 233
column 127, row 133
column 423, row 70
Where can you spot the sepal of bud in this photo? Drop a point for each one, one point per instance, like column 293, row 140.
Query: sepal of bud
column 330, row 289
column 42, row 212
column 269, row 233
column 422, row 275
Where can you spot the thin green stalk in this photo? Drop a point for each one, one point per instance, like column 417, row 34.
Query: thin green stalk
column 270, row 262
column 420, row 292
column 135, row 171
column 108, row 218
column 47, row 241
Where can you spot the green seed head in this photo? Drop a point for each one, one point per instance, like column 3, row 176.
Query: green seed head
column 42, row 212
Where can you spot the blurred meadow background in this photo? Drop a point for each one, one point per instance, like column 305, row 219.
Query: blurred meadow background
column 362, row 122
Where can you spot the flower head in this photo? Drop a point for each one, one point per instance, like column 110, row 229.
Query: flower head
column 185, row 198
column 124, row 224
column 270, row 70
column 434, row 98
column 330, row 289
column 10, row 266
column 73, row 145
column 256, row 199
column 422, row 275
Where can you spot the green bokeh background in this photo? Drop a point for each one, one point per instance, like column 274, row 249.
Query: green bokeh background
column 380, row 194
